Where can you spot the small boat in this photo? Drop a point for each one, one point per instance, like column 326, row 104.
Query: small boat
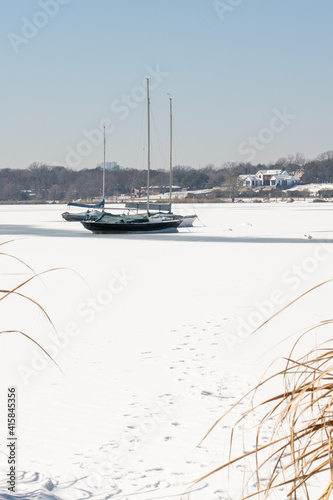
column 110, row 223
column 90, row 214
column 97, row 208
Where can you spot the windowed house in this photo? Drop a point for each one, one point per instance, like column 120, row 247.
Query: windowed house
column 273, row 178
column 250, row 181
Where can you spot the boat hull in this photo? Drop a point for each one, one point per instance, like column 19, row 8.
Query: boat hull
column 187, row 220
column 74, row 217
column 130, row 227
column 79, row 217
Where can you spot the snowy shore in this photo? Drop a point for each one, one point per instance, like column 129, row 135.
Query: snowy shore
column 153, row 337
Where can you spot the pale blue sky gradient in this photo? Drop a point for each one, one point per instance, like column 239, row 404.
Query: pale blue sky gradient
column 226, row 77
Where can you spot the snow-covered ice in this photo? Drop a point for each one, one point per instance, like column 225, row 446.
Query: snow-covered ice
column 153, row 337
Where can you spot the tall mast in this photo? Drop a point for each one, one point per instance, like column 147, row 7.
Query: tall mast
column 171, row 173
column 104, row 166
column 148, row 167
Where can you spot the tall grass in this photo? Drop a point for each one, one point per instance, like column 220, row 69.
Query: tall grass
column 300, row 449
column 17, row 292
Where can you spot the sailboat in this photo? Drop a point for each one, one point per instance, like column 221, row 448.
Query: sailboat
column 109, row 223
column 91, row 213
column 93, row 209
column 185, row 220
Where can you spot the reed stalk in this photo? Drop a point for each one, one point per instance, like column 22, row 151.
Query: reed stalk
column 300, row 449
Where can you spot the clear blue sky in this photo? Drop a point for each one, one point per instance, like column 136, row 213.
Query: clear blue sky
column 250, row 80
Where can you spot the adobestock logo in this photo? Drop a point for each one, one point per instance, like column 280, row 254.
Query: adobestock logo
column 84, row 148
column 294, row 277
column 225, row 7
column 137, row 435
column 120, row 107
column 277, row 124
column 30, row 28
column 87, row 310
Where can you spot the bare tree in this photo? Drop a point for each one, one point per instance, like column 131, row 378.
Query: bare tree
column 233, row 186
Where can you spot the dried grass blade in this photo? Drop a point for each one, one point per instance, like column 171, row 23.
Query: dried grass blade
column 291, row 303
column 35, row 342
column 8, row 292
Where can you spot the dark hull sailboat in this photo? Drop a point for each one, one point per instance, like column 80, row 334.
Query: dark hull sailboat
column 164, row 211
column 108, row 223
column 134, row 227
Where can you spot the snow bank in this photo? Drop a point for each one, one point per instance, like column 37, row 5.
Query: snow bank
column 153, row 338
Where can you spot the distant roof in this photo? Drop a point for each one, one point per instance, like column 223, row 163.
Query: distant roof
column 247, row 176
column 269, row 172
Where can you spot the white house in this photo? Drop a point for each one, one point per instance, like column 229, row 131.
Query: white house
column 275, row 178
column 251, row 181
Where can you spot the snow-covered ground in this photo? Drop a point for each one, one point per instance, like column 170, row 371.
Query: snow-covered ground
column 152, row 334
column 312, row 188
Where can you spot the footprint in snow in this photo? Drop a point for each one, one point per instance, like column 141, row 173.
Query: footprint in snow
column 49, row 485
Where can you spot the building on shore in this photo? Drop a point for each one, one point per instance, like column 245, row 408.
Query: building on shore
column 278, row 178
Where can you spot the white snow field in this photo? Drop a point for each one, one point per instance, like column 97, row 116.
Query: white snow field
column 152, row 334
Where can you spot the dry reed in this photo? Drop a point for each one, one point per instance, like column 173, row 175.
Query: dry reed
column 301, row 444
column 15, row 291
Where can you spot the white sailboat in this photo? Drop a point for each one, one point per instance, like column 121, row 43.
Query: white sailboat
column 186, row 220
column 93, row 210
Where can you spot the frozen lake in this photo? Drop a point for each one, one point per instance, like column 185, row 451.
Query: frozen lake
column 152, row 333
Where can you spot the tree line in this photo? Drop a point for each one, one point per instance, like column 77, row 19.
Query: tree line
column 42, row 182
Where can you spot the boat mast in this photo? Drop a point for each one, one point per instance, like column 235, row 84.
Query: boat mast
column 148, row 167
column 171, row 173
column 104, row 167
